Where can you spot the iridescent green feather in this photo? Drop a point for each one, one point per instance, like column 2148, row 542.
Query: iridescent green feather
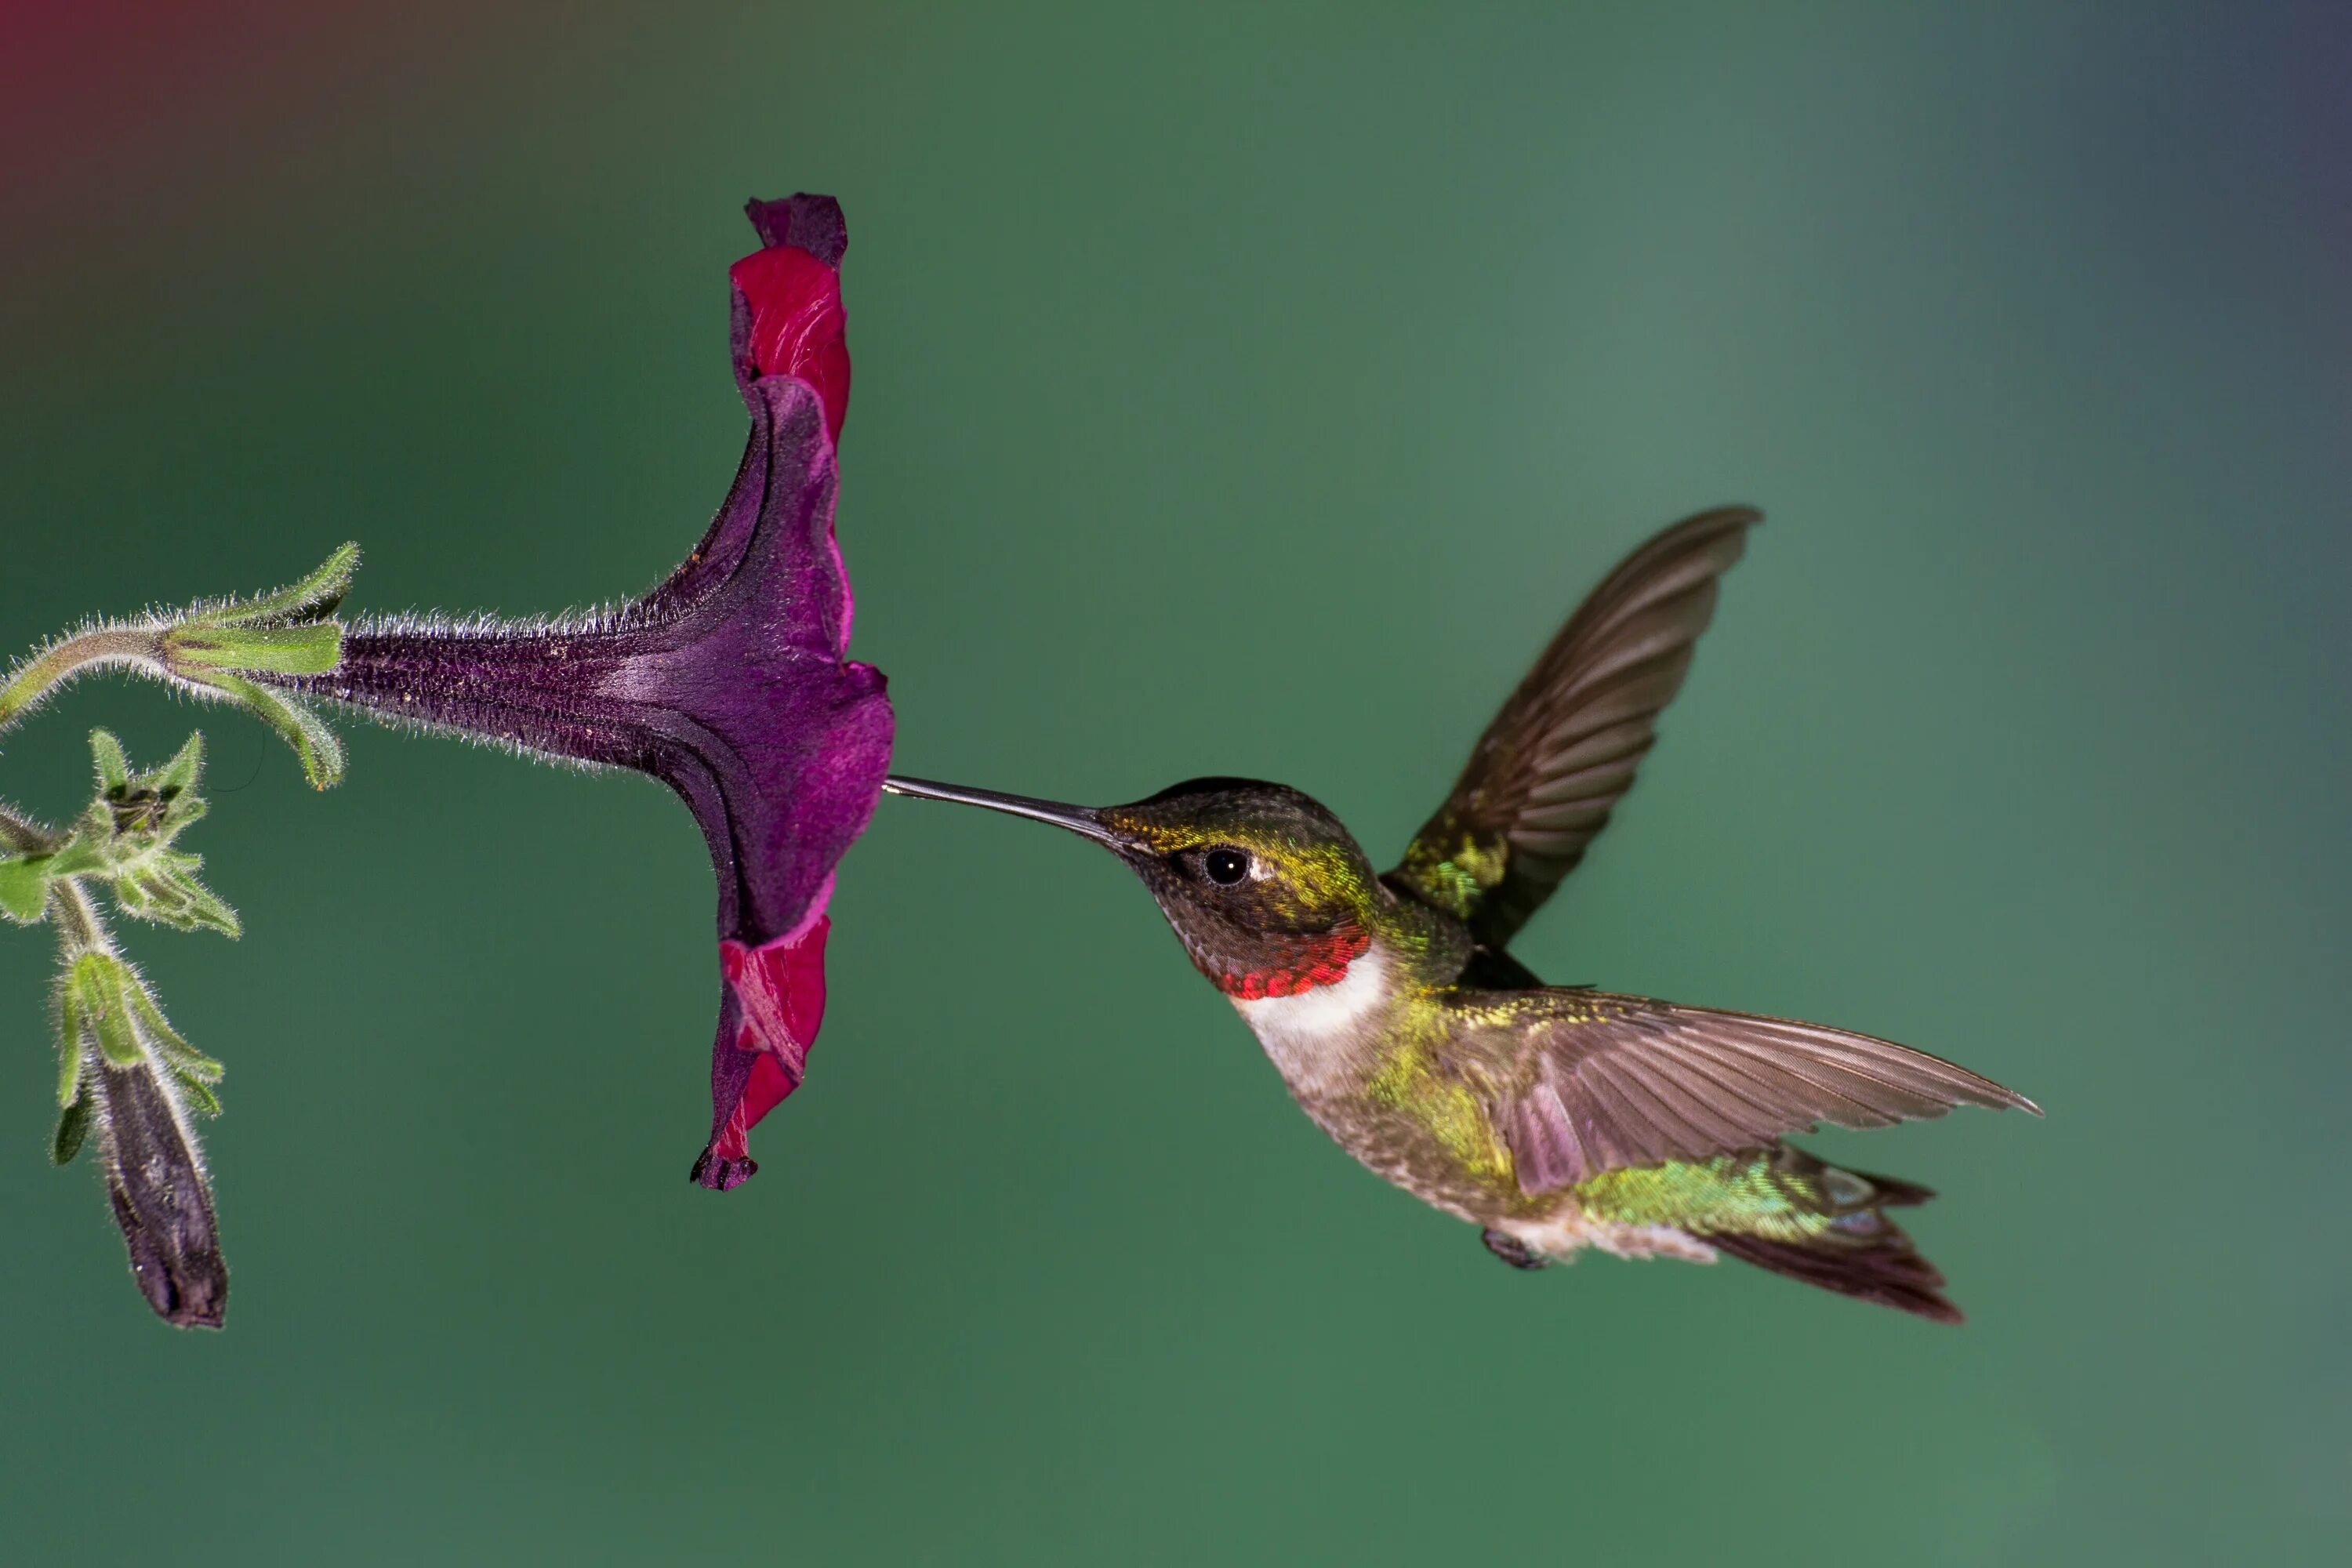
column 1757, row 1192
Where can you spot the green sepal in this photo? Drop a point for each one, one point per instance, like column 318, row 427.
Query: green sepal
column 69, row 1048
column 197, row 1092
column 25, row 887
column 114, row 767
column 193, row 1071
column 311, row 647
column 162, row 886
column 184, row 1058
column 73, row 1126
column 97, row 1003
column 117, row 1042
column 178, row 777
column 321, row 754
column 69, row 1025
column 197, row 907
column 315, row 596
column 104, row 1001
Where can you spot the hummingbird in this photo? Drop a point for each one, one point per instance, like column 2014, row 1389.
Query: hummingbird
column 1553, row 1118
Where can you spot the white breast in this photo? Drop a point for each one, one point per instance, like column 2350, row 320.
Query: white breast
column 1306, row 1034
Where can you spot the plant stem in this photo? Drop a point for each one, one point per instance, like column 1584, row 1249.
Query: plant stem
column 103, row 647
column 79, row 930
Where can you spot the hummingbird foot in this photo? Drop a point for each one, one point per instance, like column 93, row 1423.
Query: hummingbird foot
column 1512, row 1250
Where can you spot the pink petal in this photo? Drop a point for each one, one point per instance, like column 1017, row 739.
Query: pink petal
column 798, row 324
column 779, row 991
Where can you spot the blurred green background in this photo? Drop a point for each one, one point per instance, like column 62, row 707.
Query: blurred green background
column 1240, row 389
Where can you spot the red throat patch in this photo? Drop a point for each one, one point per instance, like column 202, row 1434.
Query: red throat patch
column 1321, row 961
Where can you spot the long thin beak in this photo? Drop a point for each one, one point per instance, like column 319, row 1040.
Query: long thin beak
column 1078, row 819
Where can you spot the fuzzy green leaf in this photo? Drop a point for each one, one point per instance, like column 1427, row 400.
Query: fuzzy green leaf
column 83, row 855
column 25, row 887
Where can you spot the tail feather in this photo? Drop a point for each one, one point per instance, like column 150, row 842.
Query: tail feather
column 1888, row 1270
column 1860, row 1252
column 1893, row 1192
column 1777, row 1208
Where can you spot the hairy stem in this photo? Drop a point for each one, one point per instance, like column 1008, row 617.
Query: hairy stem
column 103, row 647
column 80, row 929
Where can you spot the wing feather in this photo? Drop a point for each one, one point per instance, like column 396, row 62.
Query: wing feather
column 1544, row 777
column 1579, row 1082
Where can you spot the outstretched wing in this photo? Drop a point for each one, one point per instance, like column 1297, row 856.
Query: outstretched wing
column 1542, row 779
column 1579, row 1082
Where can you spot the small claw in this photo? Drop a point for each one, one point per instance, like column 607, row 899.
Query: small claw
column 1512, row 1250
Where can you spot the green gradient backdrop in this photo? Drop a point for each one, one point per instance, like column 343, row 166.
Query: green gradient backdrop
column 1236, row 391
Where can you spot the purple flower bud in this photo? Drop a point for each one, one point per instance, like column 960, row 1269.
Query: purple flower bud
column 157, row 1186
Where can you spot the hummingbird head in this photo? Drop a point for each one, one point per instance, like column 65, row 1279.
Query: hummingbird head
column 1266, row 889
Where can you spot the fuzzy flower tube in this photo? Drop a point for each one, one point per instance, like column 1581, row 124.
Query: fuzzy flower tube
column 729, row 682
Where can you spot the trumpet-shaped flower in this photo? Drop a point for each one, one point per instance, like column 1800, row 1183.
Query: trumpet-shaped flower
column 728, row 682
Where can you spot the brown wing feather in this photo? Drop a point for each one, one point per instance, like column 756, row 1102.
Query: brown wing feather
column 1586, row 1081
column 1542, row 779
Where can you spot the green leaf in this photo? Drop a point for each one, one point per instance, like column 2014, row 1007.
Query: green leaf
column 114, row 767
column 321, row 754
column 314, row 596
column 310, row 647
column 82, row 855
column 25, row 887
column 73, row 1126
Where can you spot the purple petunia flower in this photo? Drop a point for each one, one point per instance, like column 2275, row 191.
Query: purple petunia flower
column 728, row 682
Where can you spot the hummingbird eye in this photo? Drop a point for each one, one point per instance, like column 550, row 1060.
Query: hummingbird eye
column 1225, row 867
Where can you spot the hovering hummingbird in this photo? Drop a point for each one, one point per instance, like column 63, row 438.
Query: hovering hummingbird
column 1554, row 1119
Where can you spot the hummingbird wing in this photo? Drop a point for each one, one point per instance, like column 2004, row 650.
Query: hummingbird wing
column 1542, row 779
column 1579, row 1082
